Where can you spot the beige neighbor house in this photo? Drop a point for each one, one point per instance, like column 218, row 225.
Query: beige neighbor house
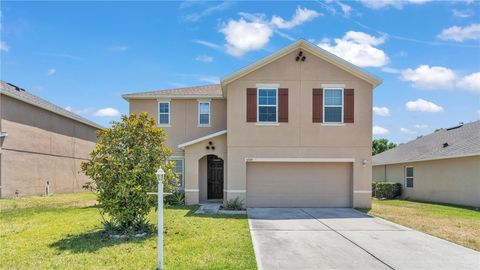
column 291, row 130
column 41, row 145
column 441, row 167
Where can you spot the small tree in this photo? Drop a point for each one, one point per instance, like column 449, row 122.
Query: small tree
column 381, row 145
column 122, row 168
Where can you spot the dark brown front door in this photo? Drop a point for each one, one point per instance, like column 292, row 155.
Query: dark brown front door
column 214, row 177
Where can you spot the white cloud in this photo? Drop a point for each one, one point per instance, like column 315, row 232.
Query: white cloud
column 377, row 130
column 210, row 79
column 459, row 34
column 470, row 82
column 204, row 58
column 208, row 44
column 51, row 72
column 194, row 17
column 398, row 4
column 430, row 77
column 357, row 48
column 407, row 131
column 421, row 105
column 390, row 70
column 107, row 112
column 381, row 111
column 346, row 9
column 253, row 32
column 301, row 16
column 4, row 47
column 243, row 36
column 421, row 126
column 118, row 48
column 463, row 13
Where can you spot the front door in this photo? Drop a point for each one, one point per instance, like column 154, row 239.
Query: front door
column 214, row 177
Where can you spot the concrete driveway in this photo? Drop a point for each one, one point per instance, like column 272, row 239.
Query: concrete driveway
column 343, row 238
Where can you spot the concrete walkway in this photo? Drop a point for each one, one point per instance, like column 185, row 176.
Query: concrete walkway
column 343, row 238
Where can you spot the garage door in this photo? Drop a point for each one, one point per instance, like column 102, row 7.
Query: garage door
column 299, row 184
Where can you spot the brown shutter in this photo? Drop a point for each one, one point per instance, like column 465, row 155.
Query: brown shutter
column 317, row 98
column 348, row 110
column 251, row 104
column 283, row 105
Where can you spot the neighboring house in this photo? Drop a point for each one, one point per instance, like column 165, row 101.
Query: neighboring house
column 441, row 167
column 41, row 145
column 291, row 130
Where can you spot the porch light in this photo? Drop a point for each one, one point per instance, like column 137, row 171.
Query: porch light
column 364, row 163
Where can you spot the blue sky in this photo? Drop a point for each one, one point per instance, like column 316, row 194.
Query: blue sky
column 84, row 55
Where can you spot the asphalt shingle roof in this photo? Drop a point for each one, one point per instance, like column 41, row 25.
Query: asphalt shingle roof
column 462, row 141
column 21, row 94
column 211, row 90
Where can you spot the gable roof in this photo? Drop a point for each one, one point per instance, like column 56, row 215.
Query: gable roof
column 21, row 94
column 462, row 140
column 203, row 91
column 313, row 49
column 201, row 139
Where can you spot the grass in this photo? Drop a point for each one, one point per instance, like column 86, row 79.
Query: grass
column 64, row 232
column 459, row 224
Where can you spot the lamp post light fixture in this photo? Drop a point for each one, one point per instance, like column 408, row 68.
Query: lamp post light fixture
column 160, row 173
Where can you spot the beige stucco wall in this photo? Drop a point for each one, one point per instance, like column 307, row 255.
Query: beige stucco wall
column 454, row 180
column 299, row 137
column 184, row 119
column 41, row 146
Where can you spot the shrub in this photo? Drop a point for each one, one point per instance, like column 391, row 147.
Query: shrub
column 387, row 190
column 176, row 198
column 233, row 204
column 122, row 168
column 374, row 187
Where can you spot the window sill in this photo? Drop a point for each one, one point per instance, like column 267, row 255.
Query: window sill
column 333, row 124
column 204, row 125
column 164, row 125
column 268, row 124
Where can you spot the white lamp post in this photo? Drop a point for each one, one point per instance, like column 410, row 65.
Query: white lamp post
column 160, row 173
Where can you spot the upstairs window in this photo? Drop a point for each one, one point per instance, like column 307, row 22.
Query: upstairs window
column 333, row 106
column 204, row 113
column 164, row 113
column 409, row 177
column 267, row 106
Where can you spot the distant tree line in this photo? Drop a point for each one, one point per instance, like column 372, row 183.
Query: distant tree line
column 381, row 145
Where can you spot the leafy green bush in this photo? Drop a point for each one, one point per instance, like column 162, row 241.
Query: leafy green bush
column 387, row 190
column 233, row 204
column 122, row 168
column 176, row 198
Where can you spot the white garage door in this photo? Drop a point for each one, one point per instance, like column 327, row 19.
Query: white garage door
column 299, row 184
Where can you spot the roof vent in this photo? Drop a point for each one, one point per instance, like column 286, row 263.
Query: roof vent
column 445, row 144
column 457, row 126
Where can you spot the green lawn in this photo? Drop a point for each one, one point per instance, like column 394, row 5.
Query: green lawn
column 64, row 232
column 451, row 222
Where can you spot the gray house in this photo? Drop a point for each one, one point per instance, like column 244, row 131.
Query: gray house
column 441, row 167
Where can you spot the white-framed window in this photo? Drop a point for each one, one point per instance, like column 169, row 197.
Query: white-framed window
column 179, row 169
column 333, row 105
column 409, row 176
column 267, row 105
column 164, row 113
column 204, row 113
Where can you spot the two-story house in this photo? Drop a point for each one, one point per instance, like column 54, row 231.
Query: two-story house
column 291, row 130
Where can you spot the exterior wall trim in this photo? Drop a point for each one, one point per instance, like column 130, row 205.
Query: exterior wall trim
column 300, row 160
column 235, row 190
column 128, row 97
column 192, row 190
column 362, row 191
column 419, row 160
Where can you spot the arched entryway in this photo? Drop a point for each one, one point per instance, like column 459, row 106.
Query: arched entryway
column 215, row 172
